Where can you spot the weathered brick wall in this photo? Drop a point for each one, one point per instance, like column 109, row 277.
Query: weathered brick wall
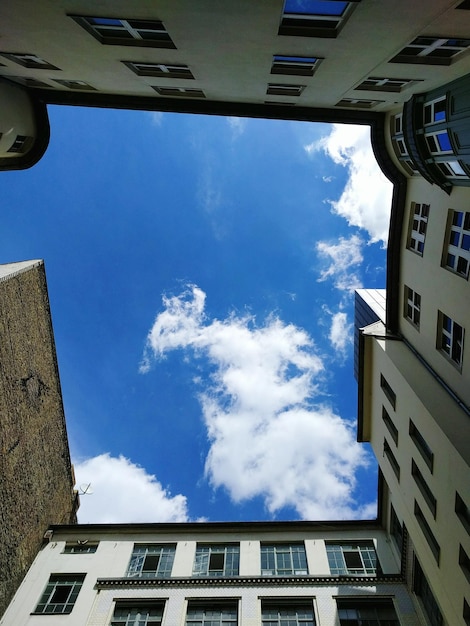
column 36, row 485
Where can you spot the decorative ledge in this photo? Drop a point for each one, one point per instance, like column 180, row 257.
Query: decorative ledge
column 248, row 581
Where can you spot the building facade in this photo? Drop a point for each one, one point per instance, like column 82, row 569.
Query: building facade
column 200, row 574
column 36, row 475
column 329, row 60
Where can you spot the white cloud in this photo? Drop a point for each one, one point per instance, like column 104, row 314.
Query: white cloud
column 124, row 493
column 340, row 332
column 269, row 434
column 366, row 200
column 156, row 118
column 237, row 126
column 340, row 258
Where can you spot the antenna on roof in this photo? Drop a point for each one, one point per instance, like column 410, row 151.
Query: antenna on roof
column 85, row 489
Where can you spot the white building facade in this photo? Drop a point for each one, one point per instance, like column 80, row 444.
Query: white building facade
column 242, row 574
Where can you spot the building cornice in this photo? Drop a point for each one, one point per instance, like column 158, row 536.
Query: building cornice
column 248, row 581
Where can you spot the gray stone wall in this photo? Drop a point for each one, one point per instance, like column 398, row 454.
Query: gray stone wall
column 36, row 476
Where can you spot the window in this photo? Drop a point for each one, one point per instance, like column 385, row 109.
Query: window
column 367, row 612
column 283, row 559
column 451, row 169
column 412, row 306
column 422, row 446
column 396, row 529
column 434, row 112
column 290, row 612
column 213, row 614
column 356, row 558
column 391, row 459
column 180, row 92
column 21, row 144
column 392, row 429
column 284, row 90
column 29, row 82
column 463, row 512
column 464, row 562
column 314, row 18
column 422, row 589
column 432, row 50
column 374, row 83
column 60, row 593
column 216, row 560
column 399, row 146
column 295, row 65
column 388, row 391
column 355, row 103
column 427, row 532
column 126, row 32
column 466, row 605
column 438, row 142
column 151, row 561
column 141, row 614
column 81, row 547
column 456, row 254
column 450, row 336
column 165, row 70
column 75, row 84
column 29, row 60
column 418, row 225
column 423, row 487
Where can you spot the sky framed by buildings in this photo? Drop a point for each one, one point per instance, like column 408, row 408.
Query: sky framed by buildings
column 201, row 273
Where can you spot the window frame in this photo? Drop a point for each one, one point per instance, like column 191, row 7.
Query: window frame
column 56, row 585
column 412, row 306
column 160, row 70
column 424, row 488
column 290, row 91
column 352, row 606
column 391, row 459
column 421, row 445
column 165, row 553
column 135, row 29
column 178, row 92
column 294, row 65
column 204, row 554
column 450, row 341
column 335, row 551
column 275, row 553
column 427, row 54
column 280, row 608
column 457, row 252
column 208, row 606
column 388, row 391
column 427, row 532
column 320, row 24
column 376, row 83
column 423, row 591
column 26, row 59
column 126, row 607
column 80, row 547
column 417, row 228
column 389, row 423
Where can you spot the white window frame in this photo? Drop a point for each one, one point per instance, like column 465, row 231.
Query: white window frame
column 459, row 254
column 207, row 553
column 430, row 107
column 358, row 549
column 412, row 310
column 142, row 552
column 277, row 553
column 147, row 613
column 419, row 215
column 294, row 611
column 450, row 339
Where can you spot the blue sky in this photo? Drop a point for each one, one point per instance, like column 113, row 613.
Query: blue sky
column 201, row 274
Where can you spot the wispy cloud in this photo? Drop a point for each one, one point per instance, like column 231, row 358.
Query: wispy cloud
column 156, row 117
column 365, row 201
column 124, row 492
column 237, row 126
column 340, row 333
column 270, row 435
column 341, row 259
